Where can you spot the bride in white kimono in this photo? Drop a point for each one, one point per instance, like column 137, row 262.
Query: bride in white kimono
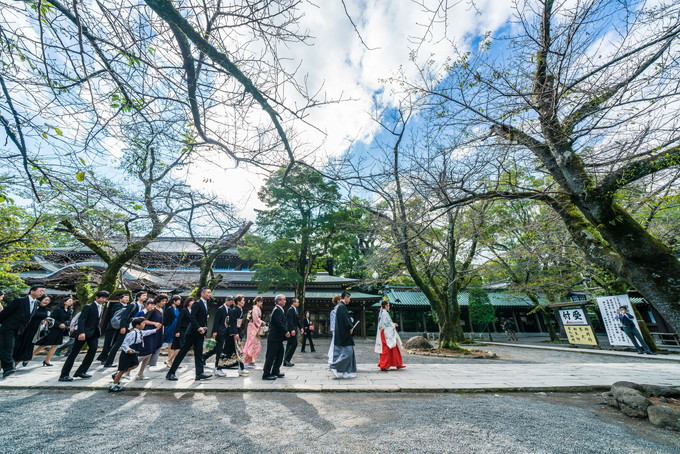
column 387, row 341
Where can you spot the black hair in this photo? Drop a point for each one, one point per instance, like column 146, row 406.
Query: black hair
column 102, row 293
column 137, row 321
column 345, row 294
column 35, row 287
column 140, row 293
column 384, row 303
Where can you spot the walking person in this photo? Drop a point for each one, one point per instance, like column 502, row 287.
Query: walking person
column 198, row 326
column 23, row 347
column 110, row 331
column 130, row 348
column 307, row 333
column 159, row 306
column 344, row 361
column 55, row 337
column 253, row 345
column 294, row 328
column 182, row 326
column 13, row 321
column 220, row 331
column 153, row 319
column 170, row 319
column 387, row 341
column 510, row 329
column 627, row 322
column 87, row 333
column 335, row 301
column 277, row 333
column 233, row 333
column 125, row 320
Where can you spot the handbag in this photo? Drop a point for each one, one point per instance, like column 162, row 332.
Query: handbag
column 311, row 327
column 43, row 329
column 209, row 345
column 262, row 330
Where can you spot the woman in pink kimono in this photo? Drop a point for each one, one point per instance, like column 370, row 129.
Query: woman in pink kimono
column 253, row 346
column 388, row 342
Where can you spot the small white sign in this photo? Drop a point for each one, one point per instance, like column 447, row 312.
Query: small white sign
column 609, row 306
column 573, row 317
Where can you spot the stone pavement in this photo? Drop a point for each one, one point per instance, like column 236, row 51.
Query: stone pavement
column 475, row 376
column 587, row 350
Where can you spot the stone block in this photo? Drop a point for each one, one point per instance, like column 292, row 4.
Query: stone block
column 418, row 343
column 664, row 416
column 631, row 402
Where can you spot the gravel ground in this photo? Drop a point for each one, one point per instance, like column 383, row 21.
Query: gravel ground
column 91, row 422
column 517, row 355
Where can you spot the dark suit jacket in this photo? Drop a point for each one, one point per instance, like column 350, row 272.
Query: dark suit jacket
column 292, row 320
column 88, row 322
column 168, row 315
column 235, row 313
column 306, row 323
column 219, row 324
column 198, row 318
column 16, row 315
column 343, row 324
column 277, row 326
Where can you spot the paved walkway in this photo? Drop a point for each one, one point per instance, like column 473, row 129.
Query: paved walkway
column 667, row 357
column 476, row 376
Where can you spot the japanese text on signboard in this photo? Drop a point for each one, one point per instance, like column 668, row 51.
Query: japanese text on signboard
column 609, row 306
column 571, row 317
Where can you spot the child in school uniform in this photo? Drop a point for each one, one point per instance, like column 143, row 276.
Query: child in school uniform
column 129, row 359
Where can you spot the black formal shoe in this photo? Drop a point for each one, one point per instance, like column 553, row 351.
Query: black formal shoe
column 288, row 364
column 25, row 363
column 7, row 373
column 203, row 377
column 171, row 377
column 45, row 363
column 109, row 365
column 65, row 378
column 651, row 353
column 113, row 375
column 269, row 377
column 313, row 351
column 280, row 375
column 83, row 375
column 302, row 351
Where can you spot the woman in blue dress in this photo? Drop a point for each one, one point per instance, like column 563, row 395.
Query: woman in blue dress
column 170, row 318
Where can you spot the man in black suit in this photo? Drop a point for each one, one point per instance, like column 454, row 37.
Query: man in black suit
column 14, row 319
column 293, row 325
column 110, row 332
column 198, row 326
column 278, row 331
column 87, row 333
column 307, row 333
column 130, row 311
column 220, row 334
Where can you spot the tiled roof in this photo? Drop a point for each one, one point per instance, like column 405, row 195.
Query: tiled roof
column 408, row 297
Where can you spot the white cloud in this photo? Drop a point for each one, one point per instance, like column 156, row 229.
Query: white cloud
column 340, row 63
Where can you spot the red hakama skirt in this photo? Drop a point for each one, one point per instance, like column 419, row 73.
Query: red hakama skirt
column 390, row 357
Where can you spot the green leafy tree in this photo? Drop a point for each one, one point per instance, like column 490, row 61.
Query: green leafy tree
column 482, row 312
column 295, row 231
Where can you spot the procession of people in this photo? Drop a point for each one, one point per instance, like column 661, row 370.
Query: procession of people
column 134, row 333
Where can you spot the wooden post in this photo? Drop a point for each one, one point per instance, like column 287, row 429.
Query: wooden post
column 363, row 320
column 401, row 321
column 424, row 323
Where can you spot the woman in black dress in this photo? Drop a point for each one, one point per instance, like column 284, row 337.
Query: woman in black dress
column 55, row 337
column 182, row 325
column 23, row 348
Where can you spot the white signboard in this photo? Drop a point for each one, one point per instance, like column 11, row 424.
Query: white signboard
column 609, row 305
column 573, row 317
